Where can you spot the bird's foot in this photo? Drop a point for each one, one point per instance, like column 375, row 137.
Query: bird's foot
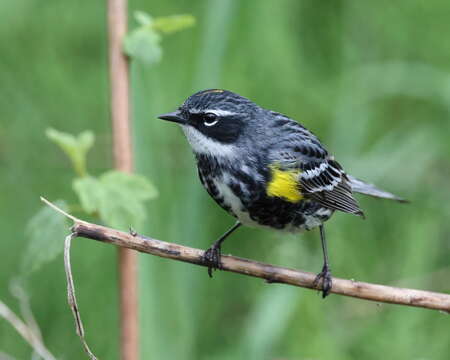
column 211, row 258
column 327, row 282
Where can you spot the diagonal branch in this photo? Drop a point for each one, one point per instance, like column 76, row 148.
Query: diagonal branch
column 271, row 273
column 25, row 331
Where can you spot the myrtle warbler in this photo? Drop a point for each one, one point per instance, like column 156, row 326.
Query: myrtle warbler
column 266, row 169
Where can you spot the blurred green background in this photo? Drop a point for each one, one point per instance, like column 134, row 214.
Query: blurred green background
column 372, row 79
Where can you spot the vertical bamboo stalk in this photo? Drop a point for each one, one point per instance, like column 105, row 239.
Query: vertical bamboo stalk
column 123, row 160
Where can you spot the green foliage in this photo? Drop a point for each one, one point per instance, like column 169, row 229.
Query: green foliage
column 75, row 147
column 143, row 19
column 116, row 197
column 45, row 231
column 89, row 191
column 174, row 23
column 144, row 42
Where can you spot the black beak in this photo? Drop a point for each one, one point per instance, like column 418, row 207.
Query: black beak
column 173, row 116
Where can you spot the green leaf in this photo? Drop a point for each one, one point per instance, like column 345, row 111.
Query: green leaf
column 75, row 147
column 174, row 23
column 123, row 203
column 136, row 186
column 143, row 44
column 89, row 191
column 45, row 231
column 117, row 197
column 143, row 18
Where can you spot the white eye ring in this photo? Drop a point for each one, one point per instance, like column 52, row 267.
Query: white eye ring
column 212, row 123
column 210, row 119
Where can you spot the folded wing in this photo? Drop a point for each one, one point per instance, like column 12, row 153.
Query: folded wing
column 326, row 183
column 321, row 178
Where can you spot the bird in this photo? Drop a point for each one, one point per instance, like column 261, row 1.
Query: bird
column 266, row 170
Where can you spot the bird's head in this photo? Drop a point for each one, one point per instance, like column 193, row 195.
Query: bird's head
column 214, row 121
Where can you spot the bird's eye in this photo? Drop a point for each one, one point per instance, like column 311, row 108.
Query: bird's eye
column 210, row 119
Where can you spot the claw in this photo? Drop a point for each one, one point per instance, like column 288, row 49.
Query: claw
column 211, row 257
column 327, row 282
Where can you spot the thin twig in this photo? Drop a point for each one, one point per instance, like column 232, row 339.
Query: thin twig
column 271, row 273
column 54, row 207
column 22, row 297
column 5, row 356
column 25, row 331
column 71, row 295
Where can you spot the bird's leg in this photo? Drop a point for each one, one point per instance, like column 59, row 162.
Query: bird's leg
column 325, row 274
column 212, row 256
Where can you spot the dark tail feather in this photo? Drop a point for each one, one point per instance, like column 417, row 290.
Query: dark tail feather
column 362, row 187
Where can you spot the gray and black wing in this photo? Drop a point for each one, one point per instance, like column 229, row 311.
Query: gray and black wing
column 321, row 178
column 326, row 183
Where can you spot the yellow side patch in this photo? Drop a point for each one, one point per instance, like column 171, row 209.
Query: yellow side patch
column 284, row 184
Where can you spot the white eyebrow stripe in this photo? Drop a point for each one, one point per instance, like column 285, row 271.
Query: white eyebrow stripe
column 221, row 112
column 217, row 112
